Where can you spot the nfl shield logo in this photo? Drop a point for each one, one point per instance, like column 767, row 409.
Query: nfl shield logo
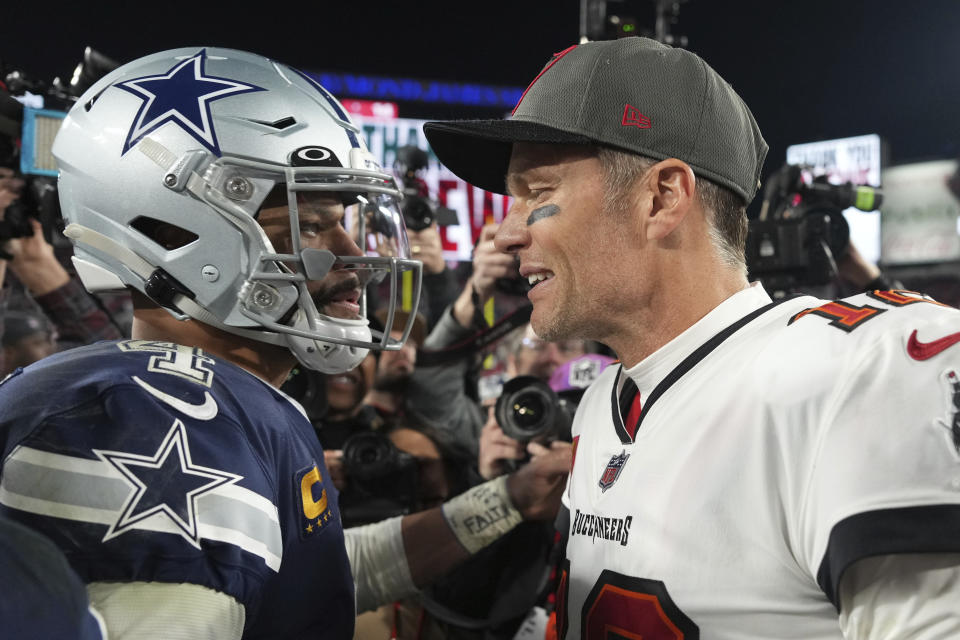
column 612, row 472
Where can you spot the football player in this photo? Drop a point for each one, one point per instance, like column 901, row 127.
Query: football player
column 233, row 195
column 752, row 468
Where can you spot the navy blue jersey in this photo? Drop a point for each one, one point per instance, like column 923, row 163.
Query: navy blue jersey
column 151, row 461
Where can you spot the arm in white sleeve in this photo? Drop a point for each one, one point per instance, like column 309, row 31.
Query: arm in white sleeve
column 166, row 610
column 378, row 562
column 913, row 596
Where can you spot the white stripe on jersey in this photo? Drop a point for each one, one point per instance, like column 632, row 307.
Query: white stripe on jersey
column 94, row 491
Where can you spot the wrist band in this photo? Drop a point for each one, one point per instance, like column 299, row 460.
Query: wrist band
column 482, row 514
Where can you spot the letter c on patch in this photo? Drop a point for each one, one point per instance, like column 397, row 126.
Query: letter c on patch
column 312, row 508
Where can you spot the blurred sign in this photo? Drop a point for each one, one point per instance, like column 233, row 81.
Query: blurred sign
column 475, row 207
column 920, row 213
column 855, row 160
column 413, row 90
column 371, row 108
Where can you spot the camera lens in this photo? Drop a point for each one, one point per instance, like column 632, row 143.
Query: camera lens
column 368, row 455
column 416, row 213
column 527, row 408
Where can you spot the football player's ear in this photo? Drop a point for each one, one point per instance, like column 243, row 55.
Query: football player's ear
column 670, row 186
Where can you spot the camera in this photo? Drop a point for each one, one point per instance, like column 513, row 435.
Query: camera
column 382, row 481
column 801, row 231
column 26, row 134
column 419, row 211
column 528, row 409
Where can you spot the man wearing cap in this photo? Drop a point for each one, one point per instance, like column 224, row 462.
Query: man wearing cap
column 751, row 469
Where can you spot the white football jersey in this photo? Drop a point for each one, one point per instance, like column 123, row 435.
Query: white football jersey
column 721, row 486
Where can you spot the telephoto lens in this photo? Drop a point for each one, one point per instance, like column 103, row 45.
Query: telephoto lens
column 528, row 409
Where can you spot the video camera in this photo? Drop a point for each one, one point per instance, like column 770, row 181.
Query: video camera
column 801, row 232
column 419, row 210
column 27, row 130
column 382, row 481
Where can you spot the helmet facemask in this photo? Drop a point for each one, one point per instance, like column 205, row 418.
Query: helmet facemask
column 297, row 287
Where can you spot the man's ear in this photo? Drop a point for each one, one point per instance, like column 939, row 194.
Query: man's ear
column 671, row 185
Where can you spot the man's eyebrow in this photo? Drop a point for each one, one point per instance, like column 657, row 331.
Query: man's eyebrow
column 511, row 180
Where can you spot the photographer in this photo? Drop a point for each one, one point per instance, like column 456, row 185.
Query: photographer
column 439, row 281
column 502, row 447
column 460, row 413
column 49, row 288
column 531, row 356
column 507, row 585
column 422, row 217
column 388, row 394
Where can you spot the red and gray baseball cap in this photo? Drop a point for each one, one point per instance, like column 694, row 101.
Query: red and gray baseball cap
column 632, row 94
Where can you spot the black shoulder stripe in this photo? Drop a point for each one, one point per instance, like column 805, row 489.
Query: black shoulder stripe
column 928, row 529
column 678, row 372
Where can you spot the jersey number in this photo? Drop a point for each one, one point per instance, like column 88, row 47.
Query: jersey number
column 174, row 359
column 848, row 317
column 622, row 607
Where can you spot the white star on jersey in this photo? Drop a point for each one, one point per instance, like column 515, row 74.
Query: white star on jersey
column 164, row 484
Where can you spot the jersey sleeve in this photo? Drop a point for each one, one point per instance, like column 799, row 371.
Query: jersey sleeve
column 150, row 483
column 885, row 477
column 901, row 596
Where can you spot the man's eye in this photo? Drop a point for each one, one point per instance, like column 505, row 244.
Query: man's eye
column 538, row 194
column 309, row 229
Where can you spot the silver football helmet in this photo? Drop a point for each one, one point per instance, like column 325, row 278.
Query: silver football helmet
column 165, row 167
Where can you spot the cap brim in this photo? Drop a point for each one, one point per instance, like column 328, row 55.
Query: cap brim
column 478, row 151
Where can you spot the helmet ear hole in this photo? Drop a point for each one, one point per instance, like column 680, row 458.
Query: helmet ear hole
column 168, row 236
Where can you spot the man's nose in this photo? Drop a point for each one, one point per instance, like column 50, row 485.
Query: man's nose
column 512, row 236
column 344, row 244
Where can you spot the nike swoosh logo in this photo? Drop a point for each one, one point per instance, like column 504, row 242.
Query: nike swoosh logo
column 926, row 350
column 206, row 411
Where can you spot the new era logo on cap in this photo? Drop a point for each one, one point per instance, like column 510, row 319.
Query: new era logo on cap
column 633, row 118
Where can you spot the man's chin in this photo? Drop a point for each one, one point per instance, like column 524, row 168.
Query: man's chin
column 552, row 328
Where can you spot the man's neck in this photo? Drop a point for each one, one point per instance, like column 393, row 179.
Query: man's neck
column 675, row 307
column 270, row 363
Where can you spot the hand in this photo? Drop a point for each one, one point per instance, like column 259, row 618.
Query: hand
column 536, row 487
column 425, row 246
column 334, row 461
column 10, row 187
column 35, row 263
column 489, row 264
column 495, row 448
column 855, row 269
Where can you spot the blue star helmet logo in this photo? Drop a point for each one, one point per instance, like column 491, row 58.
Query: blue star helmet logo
column 182, row 95
column 166, row 482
